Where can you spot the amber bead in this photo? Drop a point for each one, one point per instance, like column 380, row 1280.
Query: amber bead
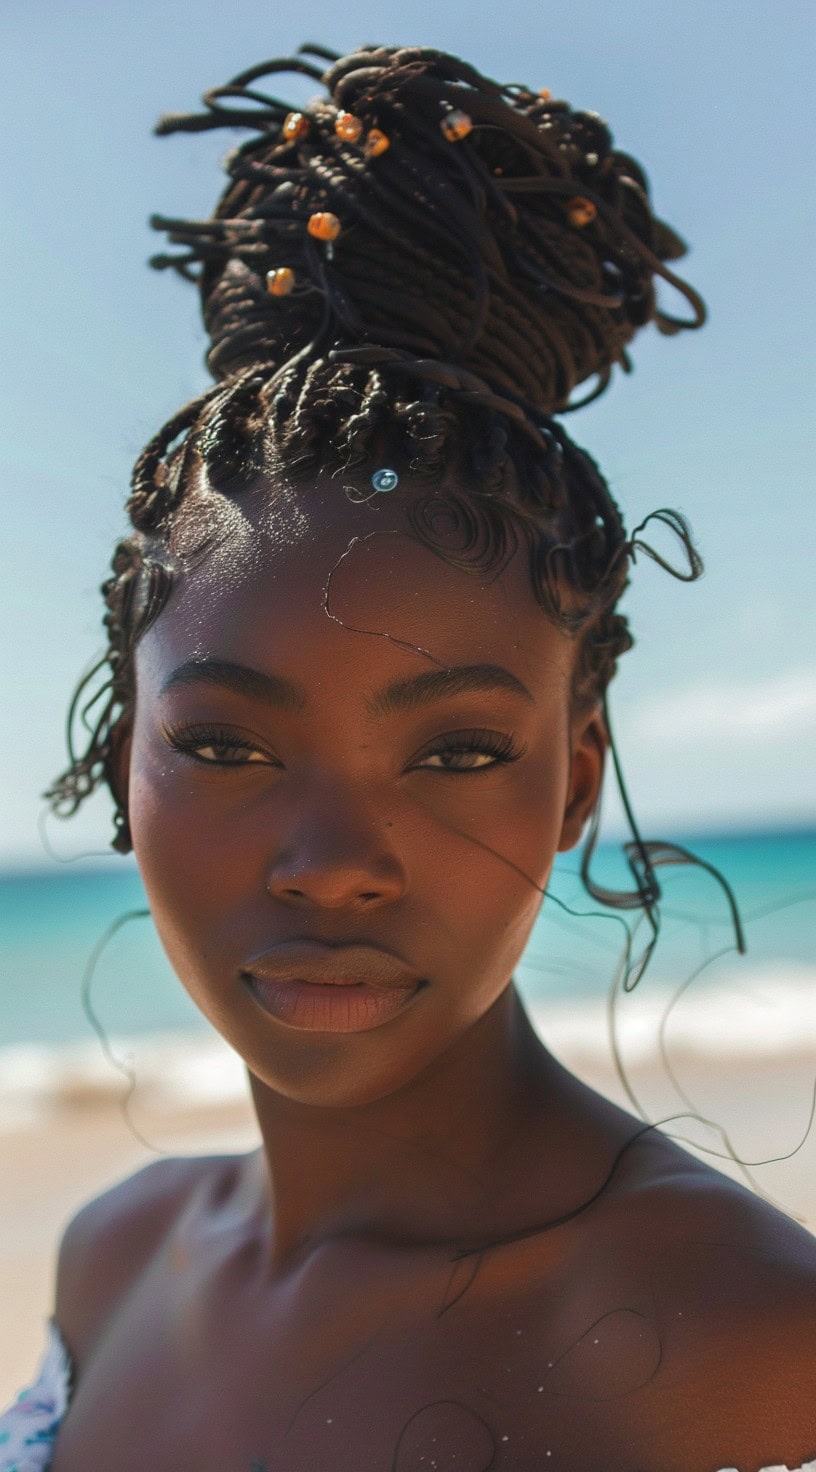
column 295, row 125
column 376, row 143
column 581, row 211
column 456, row 125
column 324, row 225
column 281, row 281
column 544, row 93
column 348, row 127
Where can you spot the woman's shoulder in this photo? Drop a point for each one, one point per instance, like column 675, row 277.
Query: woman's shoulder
column 727, row 1283
column 110, row 1240
column 679, row 1198
column 700, row 1236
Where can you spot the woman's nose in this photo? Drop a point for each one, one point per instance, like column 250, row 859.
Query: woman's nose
column 337, row 857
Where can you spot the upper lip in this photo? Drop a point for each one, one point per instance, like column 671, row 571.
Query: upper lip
column 331, row 965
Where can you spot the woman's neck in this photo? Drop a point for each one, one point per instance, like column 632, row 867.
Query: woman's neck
column 437, row 1161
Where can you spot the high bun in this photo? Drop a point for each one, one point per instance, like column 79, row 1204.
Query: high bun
column 424, row 258
column 524, row 251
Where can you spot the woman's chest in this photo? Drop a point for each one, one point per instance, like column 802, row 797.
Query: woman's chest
column 361, row 1365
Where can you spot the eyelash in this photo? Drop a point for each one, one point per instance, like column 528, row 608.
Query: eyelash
column 502, row 748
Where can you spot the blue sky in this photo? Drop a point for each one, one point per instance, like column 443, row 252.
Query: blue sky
column 715, row 710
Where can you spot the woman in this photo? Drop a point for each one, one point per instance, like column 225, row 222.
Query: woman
column 360, row 637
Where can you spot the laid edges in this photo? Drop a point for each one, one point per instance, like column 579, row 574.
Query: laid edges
column 28, row 1427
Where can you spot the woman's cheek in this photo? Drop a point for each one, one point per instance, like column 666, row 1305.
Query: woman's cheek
column 493, row 848
column 177, row 842
column 513, row 818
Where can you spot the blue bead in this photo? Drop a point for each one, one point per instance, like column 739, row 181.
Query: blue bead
column 384, row 480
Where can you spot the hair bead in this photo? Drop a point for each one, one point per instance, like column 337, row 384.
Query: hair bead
column 581, row 211
column 348, row 127
column 295, row 126
column 376, row 143
column 384, row 480
column 324, row 225
column 456, row 125
column 544, row 93
column 281, row 281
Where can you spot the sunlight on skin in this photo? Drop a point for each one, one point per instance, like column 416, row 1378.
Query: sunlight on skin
column 270, row 614
column 333, row 821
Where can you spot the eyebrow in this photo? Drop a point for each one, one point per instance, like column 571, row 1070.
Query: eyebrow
column 401, row 695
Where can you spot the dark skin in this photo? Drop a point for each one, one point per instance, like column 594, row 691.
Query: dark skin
column 327, row 1259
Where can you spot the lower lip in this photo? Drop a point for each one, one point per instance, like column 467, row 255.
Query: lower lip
column 317, row 1007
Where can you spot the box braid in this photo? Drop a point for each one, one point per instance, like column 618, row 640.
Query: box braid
column 474, row 284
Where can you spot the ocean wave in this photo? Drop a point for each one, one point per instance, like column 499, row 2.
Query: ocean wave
column 765, row 1015
column 172, row 1071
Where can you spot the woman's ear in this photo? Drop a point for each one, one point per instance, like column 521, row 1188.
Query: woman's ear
column 588, row 743
column 121, row 743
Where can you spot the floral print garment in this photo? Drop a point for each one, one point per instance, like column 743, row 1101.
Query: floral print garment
column 28, row 1428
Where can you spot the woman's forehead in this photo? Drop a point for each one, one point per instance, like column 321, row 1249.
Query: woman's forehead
column 304, row 577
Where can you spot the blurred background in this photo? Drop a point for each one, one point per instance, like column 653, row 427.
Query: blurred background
column 714, row 711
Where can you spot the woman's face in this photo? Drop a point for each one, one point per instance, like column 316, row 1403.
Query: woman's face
column 389, row 764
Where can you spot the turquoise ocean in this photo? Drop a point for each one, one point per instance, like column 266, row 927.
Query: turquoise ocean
column 52, row 919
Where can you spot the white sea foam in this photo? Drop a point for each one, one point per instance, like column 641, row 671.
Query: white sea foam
column 172, row 1070
column 767, row 1016
column 763, row 1016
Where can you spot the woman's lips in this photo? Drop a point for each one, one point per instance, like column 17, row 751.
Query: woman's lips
column 325, row 988
column 341, row 1006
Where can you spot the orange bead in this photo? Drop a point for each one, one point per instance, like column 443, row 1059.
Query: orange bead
column 376, row 143
column 295, row 125
column 544, row 93
column 280, row 282
column 324, row 226
column 581, row 211
column 348, row 127
column 456, row 125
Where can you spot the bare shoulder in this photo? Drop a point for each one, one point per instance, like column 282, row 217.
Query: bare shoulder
column 682, row 1199
column 111, row 1238
column 708, row 1239
column 729, row 1284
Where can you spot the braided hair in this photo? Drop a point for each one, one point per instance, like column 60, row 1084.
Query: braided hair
column 420, row 258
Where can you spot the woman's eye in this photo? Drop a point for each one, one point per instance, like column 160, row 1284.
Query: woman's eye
column 470, row 751
column 218, row 750
column 459, row 761
column 224, row 748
